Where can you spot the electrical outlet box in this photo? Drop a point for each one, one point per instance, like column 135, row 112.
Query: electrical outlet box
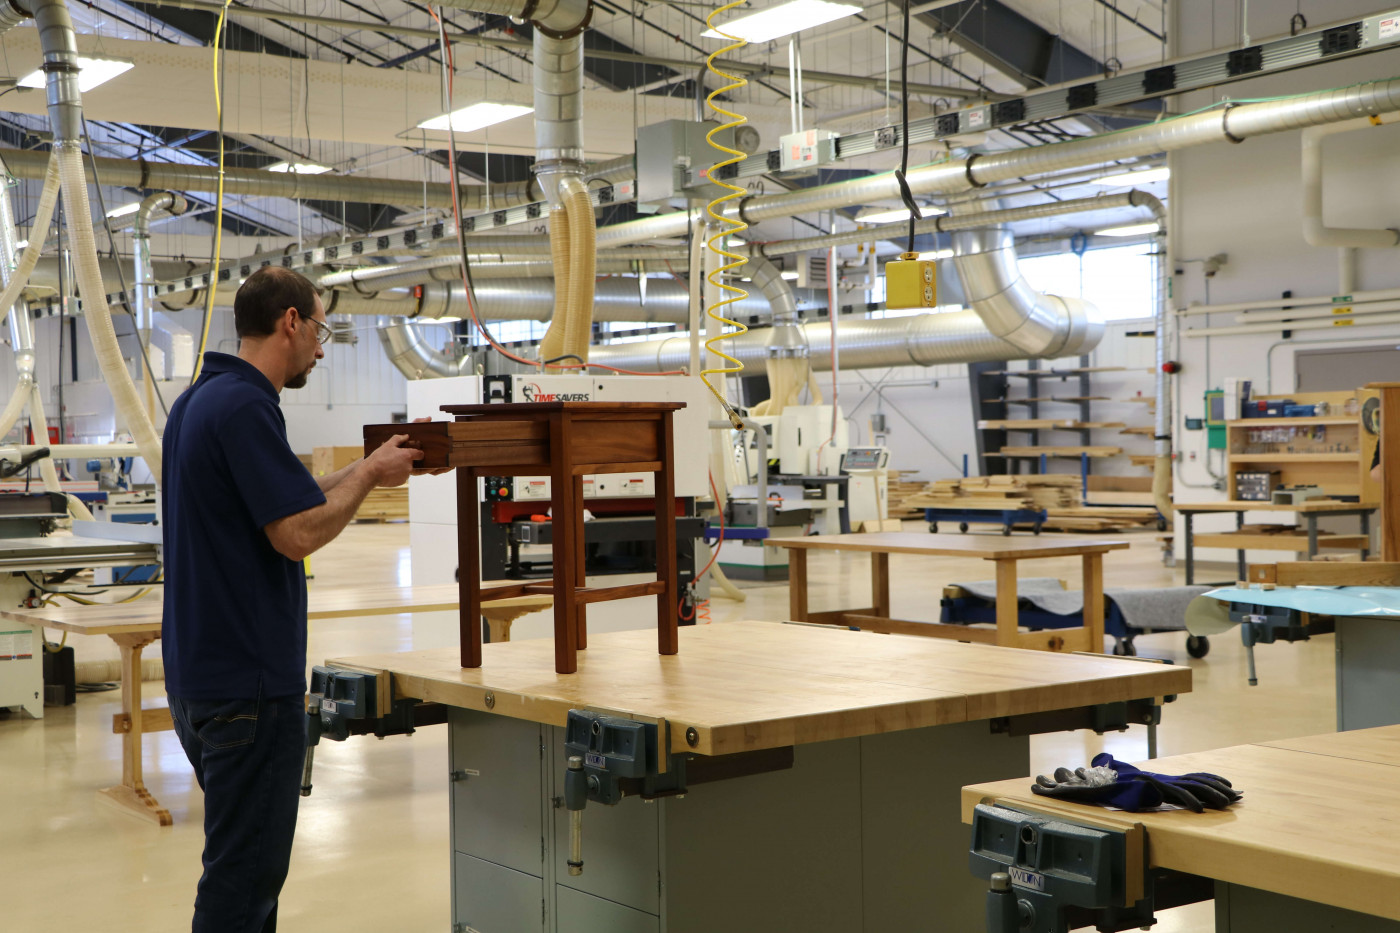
column 911, row 282
column 806, row 149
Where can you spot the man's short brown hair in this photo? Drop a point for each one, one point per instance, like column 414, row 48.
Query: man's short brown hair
column 265, row 297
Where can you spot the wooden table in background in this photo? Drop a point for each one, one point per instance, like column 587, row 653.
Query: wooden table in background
column 134, row 626
column 1314, row 828
column 1004, row 552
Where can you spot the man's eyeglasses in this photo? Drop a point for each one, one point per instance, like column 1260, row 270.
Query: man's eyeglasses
column 323, row 331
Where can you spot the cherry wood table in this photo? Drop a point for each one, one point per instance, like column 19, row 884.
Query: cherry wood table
column 1004, row 552
column 564, row 441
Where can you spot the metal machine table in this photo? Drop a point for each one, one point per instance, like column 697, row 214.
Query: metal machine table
column 1309, row 510
column 834, row 760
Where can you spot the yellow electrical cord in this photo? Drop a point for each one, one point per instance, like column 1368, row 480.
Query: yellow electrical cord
column 218, row 204
column 736, row 260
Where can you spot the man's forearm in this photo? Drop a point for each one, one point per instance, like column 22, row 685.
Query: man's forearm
column 332, row 480
column 300, row 535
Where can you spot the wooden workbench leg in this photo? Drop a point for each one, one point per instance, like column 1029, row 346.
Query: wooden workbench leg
column 797, row 583
column 1390, row 471
column 469, row 568
column 131, row 795
column 581, row 558
column 669, row 599
column 567, row 511
column 880, row 583
column 1008, row 608
column 1093, row 602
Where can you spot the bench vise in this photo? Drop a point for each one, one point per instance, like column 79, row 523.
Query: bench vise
column 1264, row 625
column 1049, row 875
column 612, row 757
column 342, row 703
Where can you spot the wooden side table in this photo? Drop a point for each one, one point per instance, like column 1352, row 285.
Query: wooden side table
column 564, row 441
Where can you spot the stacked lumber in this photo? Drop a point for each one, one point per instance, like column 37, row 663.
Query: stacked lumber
column 1100, row 518
column 384, row 505
column 903, row 486
column 1051, row 424
column 1060, row 451
column 1000, row 492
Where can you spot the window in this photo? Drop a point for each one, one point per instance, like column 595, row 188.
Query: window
column 1119, row 280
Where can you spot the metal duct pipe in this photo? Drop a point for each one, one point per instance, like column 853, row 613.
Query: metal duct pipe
column 615, row 299
column 10, row 15
column 920, row 340
column 785, row 337
column 1231, row 123
column 1315, row 230
column 558, row 76
column 143, row 307
column 557, row 16
column 1037, row 325
column 413, row 357
column 524, row 269
column 140, row 174
column 449, row 268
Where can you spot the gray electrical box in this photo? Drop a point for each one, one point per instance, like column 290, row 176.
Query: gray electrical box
column 668, row 152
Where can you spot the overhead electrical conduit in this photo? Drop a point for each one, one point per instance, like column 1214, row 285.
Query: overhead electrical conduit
column 59, row 45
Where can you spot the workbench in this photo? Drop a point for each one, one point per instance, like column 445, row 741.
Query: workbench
column 1310, row 511
column 1004, row 552
column 1310, row 847
column 823, row 773
column 134, row 626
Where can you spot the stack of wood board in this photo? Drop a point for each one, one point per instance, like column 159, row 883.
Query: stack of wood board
column 1000, row 492
column 1036, row 424
column 1060, row 451
column 384, row 505
column 902, row 487
column 1100, row 518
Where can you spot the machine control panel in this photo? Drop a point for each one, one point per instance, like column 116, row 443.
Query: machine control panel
column 865, row 458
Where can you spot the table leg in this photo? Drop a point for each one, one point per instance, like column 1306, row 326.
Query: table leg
column 1190, row 549
column 469, row 568
column 1312, row 538
column 797, row 583
column 880, row 583
column 567, row 513
column 131, row 795
column 581, row 560
column 1366, row 533
column 1241, row 571
column 1093, row 601
column 1008, row 606
column 669, row 599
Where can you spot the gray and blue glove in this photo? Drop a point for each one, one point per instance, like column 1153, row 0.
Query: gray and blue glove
column 1114, row 783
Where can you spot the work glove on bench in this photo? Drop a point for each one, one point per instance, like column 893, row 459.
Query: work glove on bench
column 1117, row 784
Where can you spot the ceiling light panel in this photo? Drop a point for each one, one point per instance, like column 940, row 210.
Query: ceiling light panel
column 91, row 73
column 783, row 20
column 478, row 116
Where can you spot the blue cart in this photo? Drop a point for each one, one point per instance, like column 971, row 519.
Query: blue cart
column 1004, row 517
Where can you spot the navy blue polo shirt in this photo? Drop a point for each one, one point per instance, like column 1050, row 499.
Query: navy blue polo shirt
column 235, row 608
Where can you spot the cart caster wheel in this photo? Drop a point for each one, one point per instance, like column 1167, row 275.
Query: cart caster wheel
column 933, row 528
column 962, row 526
column 1198, row 646
column 1125, row 648
column 1161, row 524
column 1035, row 530
column 1006, row 531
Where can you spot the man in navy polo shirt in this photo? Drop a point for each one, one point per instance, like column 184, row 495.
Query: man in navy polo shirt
column 240, row 513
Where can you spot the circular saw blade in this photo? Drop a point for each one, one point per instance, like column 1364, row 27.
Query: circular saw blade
column 1207, row 616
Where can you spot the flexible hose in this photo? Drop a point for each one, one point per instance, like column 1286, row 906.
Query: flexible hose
column 95, row 310
column 716, row 211
column 218, row 206
column 583, row 246
column 19, row 328
column 552, row 344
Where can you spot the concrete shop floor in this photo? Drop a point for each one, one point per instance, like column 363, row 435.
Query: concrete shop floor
column 372, row 843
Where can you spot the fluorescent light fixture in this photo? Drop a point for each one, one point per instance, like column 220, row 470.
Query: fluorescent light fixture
column 937, row 254
column 1128, row 179
column 125, row 209
column 783, row 20
column 1129, row 230
column 299, row 168
column 790, row 276
column 91, row 73
column 895, row 216
column 477, row 116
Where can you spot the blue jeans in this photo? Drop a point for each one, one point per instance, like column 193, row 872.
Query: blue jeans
column 247, row 757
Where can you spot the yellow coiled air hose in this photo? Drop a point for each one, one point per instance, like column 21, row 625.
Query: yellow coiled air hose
column 735, row 226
